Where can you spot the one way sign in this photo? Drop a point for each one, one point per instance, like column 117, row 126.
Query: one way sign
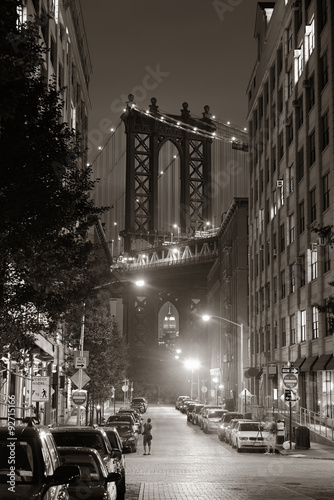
column 81, row 362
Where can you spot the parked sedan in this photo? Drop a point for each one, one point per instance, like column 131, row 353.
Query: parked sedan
column 95, row 483
column 229, row 428
column 249, row 435
column 180, row 400
column 195, row 412
column 202, row 415
column 117, row 451
column 128, row 436
column 224, row 421
column 123, row 418
column 210, row 423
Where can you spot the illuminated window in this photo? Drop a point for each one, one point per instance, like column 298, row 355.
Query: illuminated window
column 309, row 40
column 315, row 323
column 303, row 326
column 314, row 265
column 73, row 116
column 299, row 62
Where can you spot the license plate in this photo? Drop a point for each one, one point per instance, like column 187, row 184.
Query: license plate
column 258, row 444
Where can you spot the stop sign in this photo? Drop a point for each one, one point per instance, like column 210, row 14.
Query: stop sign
column 79, row 397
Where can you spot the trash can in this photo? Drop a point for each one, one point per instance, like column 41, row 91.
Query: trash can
column 302, row 437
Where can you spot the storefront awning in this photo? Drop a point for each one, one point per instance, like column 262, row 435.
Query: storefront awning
column 307, row 366
column 321, row 362
column 298, row 363
column 330, row 365
column 258, row 376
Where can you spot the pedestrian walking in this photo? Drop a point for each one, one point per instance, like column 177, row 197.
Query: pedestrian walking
column 147, row 436
column 271, row 439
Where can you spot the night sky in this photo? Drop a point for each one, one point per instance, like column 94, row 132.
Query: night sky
column 198, row 51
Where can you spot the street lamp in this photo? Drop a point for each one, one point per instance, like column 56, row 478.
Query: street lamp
column 207, row 317
column 192, row 364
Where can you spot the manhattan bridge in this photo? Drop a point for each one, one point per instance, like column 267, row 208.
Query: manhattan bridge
column 168, row 180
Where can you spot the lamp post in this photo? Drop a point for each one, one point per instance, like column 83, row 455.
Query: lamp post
column 192, row 364
column 207, row 317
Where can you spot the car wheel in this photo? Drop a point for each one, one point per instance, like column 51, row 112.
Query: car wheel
column 220, row 437
column 205, row 430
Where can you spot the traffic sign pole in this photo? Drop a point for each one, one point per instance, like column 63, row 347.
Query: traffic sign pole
column 82, row 336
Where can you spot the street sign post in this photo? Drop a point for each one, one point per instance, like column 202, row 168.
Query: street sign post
column 40, row 389
column 80, row 362
column 290, row 380
column 290, row 369
column 79, row 397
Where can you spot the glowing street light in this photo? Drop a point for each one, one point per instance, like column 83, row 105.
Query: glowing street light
column 192, row 364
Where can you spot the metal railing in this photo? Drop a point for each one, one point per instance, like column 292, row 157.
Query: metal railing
column 315, row 422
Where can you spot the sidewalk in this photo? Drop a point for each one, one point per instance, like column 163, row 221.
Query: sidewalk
column 316, row 451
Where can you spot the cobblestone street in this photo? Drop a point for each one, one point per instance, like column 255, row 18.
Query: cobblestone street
column 187, row 464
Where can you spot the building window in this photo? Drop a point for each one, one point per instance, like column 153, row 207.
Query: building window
column 324, row 131
column 273, row 158
column 314, row 265
column 329, row 324
column 273, row 77
column 325, row 192
column 303, row 326
column 292, row 329
column 275, row 290
column 273, row 115
column 300, row 112
column 289, row 131
column 280, row 146
column 300, row 262
column 289, row 39
column 292, row 278
column 299, row 62
column 324, row 70
column 313, row 205
column 322, row 13
column 327, row 259
column 281, row 193
column 311, row 148
column 274, row 204
column 283, row 332
column 274, row 246
column 291, row 178
column 282, row 238
column 301, row 217
column 280, row 100
column 315, row 323
column 309, row 39
column 283, row 285
column 310, row 94
column 300, row 164
column 289, row 82
column 279, row 60
column 291, row 228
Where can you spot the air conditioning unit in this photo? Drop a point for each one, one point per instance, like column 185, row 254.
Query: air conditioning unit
column 274, row 252
column 287, row 122
column 321, row 242
column 279, row 183
column 314, row 247
column 295, row 6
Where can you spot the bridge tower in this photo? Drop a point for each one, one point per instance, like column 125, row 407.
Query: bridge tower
column 146, row 135
column 184, row 286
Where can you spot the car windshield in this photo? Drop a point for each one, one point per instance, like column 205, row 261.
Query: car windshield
column 17, row 454
column 112, row 438
column 228, row 418
column 86, row 439
column 123, row 429
column 90, row 471
column 249, row 426
column 216, row 414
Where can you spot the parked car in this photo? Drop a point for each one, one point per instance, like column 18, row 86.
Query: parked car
column 202, row 415
column 140, row 404
column 249, row 435
column 190, row 409
column 118, row 454
column 126, row 417
column 185, row 404
column 195, row 412
column 230, row 427
column 95, row 483
column 224, row 421
column 180, row 400
column 89, row 437
column 136, row 415
column 128, row 437
column 210, row 422
column 38, row 472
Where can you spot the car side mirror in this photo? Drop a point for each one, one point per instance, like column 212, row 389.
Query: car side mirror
column 116, row 453
column 64, row 474
column 114, row 477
